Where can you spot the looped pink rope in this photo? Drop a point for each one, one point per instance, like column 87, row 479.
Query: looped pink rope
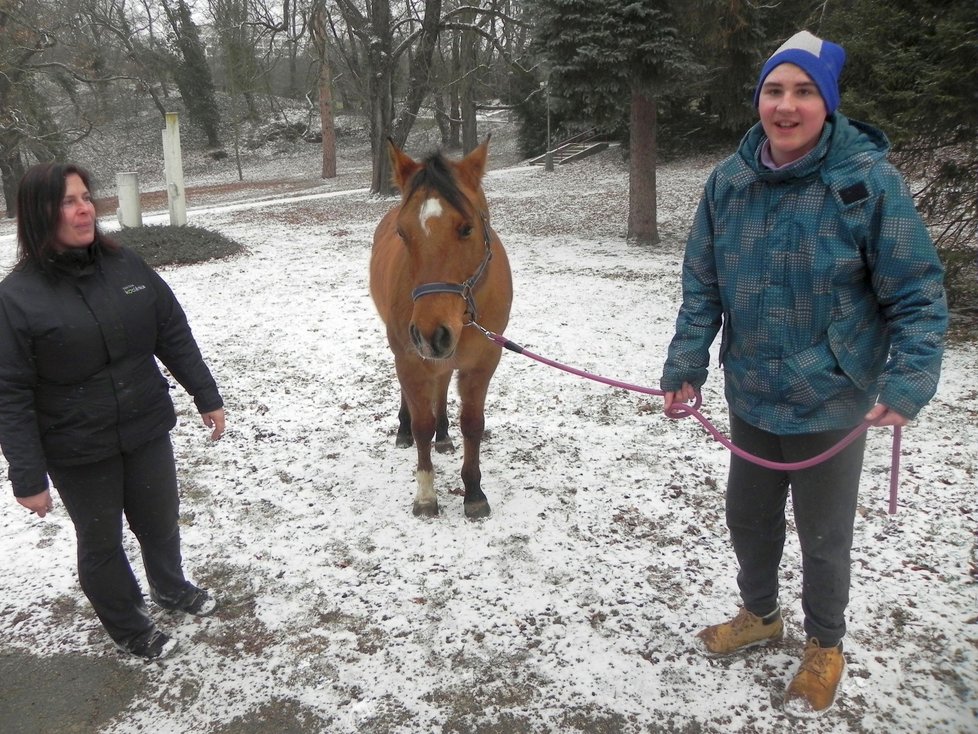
column 683, row 410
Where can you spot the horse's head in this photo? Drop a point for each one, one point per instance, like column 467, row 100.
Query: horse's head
column 444, row 224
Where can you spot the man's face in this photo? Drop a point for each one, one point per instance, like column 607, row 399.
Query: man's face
column 792, row 112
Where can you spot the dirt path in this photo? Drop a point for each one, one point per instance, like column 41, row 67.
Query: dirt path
column 63, row 693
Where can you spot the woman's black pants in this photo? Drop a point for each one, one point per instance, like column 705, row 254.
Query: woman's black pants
column 141, row 484
column 824, row 501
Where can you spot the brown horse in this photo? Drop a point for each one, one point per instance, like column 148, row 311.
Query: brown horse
column 437, row 265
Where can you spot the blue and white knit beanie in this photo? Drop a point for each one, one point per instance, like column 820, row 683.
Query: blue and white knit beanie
column 821, row 60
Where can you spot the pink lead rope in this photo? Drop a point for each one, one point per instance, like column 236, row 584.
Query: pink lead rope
column 681, row 410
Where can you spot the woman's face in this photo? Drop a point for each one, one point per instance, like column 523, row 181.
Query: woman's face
column 76, row 226
column 792, row 112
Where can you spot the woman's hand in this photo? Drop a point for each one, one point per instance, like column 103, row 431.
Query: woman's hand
column 40, row 504
column 214, row 420
column 880, row 415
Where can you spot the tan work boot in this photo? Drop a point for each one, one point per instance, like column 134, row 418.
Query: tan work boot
column 744, row 631
column 816, row 685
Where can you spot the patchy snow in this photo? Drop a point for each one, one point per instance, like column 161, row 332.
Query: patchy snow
column 572, row 607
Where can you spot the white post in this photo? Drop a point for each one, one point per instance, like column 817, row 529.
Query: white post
column 173, row 165
column 548, row 162
column 129, row 213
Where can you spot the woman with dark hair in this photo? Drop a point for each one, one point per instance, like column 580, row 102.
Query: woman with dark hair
column 82, row 401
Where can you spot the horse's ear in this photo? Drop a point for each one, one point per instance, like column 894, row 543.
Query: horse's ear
column 473, row 166
column 402, row 165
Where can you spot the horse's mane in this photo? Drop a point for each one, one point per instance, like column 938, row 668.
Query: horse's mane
column 436, row 174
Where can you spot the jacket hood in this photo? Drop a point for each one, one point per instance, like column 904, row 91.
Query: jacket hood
column 842, row 139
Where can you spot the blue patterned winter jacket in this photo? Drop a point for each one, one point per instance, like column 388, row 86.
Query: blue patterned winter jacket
column 824, row 280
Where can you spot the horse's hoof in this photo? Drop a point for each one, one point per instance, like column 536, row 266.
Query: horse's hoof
column 404, row 442
column 445, row 446
column 477, row 510
column 427, row 509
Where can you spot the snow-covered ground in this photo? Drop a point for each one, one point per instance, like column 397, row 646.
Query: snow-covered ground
column 572, row 607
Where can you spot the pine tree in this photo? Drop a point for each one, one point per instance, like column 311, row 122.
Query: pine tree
column 912, row 70
column 605, row 57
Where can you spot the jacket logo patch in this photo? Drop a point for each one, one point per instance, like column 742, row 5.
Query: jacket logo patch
column 130, row 289
column 854, row 193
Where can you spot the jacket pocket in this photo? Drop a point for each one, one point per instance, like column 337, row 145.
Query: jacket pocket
column 814, row 377
column 847, row 355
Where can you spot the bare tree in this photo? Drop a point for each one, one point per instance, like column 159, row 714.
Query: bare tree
column 135, row 38
column 468, row 59
column 378, row 45
column 238, row 37
column 480, row 35
column 317, row 28
column 37, row 69
column 285, row 32
column 372, row 28
column 426, row 38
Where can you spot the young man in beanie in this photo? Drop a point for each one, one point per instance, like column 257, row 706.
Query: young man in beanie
column 807, row 252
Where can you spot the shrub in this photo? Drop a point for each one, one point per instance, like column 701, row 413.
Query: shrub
column 176, row 245
column 960, row 281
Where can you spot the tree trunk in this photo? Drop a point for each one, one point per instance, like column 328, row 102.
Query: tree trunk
column 11, row 171
column 294, row 90
column 317, row 28
column 642, row 224
column 454, row 107
column 380, row 94
column 326, row 118
column 420, row 72
column 468, row 58
column 443, row 121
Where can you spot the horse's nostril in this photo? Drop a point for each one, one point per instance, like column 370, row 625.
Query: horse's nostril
column 416, row 337
column 438, row 345
column 442, row 341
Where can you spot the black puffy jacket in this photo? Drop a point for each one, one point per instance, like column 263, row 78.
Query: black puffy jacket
column 79, row 381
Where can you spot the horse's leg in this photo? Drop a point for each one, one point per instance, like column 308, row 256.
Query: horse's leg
column 404, row 437
column 472, row 387
column 423, row 429
column 416, row 392
column 443, row 442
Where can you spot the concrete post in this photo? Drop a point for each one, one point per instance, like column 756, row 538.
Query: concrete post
column 173, row 165
column 130, row 214
column 548, row 162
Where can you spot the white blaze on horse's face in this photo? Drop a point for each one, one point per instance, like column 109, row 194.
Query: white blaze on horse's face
column 431, row 208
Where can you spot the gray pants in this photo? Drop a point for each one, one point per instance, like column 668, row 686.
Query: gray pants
column 824, row 501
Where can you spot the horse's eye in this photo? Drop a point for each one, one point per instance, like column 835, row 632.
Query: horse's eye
column 465, row 230
column 400, row 233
